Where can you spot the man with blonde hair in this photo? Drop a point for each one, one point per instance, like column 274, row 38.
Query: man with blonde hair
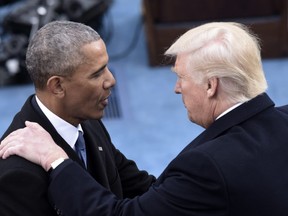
column 236, row 167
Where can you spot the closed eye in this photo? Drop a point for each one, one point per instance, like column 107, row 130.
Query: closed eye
column 99, row 72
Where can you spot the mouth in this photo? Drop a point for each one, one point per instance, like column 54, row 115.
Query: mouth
column 105, row 101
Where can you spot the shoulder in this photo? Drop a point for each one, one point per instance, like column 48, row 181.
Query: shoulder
column 283, row 109
column 16, row 168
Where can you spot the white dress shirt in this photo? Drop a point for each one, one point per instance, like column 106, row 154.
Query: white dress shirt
column 67, row 131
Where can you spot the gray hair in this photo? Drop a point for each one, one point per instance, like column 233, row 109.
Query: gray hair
column 228, row 51
column 55, row 49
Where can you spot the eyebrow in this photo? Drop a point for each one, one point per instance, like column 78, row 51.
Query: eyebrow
column 98, row 71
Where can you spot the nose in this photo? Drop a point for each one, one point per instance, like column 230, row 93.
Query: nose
column 109, row 80
column 177, row 88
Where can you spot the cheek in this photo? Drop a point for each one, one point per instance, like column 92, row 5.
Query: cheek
column 82, row 99
column 189, row 103
column 193, row 100
column 187, row 93
column 88, row 92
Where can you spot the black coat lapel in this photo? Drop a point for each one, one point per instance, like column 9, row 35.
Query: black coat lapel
column 32, row 112
column 95, row 158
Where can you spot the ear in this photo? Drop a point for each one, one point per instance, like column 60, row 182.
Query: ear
column 212, row 85
column 55, row 85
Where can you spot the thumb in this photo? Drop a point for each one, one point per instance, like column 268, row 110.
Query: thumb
column 32, row 125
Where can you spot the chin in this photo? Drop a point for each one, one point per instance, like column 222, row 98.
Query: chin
column 96, row 116
column 190, row 118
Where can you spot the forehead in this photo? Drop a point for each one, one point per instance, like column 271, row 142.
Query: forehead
column 95, row 57
column 95, row 47
column 95, row 52
column 185, row 67
column 180, row 65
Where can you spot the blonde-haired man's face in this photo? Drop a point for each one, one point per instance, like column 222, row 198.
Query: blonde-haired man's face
column 194, row 94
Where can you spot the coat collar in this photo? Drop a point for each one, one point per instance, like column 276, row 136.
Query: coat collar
column 235, row 117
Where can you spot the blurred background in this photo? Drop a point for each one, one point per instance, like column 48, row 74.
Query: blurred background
column 145, row 118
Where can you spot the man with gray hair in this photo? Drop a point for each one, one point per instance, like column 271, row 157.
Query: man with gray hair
column 236, row 167
column 67, row 62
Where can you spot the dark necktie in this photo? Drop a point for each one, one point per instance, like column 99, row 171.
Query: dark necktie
column 80, row 148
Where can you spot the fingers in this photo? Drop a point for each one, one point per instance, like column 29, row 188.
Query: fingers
column 9, row 150
column 13, row 144
column 10, row 145
column 10, row 137
column 32, row 143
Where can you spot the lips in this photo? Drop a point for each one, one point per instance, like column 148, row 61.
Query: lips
column 105, row 101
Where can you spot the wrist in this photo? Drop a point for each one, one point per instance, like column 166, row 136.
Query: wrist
column 56, row 163
column 52, row 160
column 52, row 164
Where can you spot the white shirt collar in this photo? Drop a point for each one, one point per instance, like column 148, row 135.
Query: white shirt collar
column 229, row 110
column 67, row 131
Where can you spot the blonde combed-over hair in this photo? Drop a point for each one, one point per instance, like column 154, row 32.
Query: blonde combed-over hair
column 228, row 51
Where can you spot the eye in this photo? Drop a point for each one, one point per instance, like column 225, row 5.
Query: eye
column 180, row 77
column 97, row 73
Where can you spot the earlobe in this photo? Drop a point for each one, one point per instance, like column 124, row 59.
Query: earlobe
column 55, row 85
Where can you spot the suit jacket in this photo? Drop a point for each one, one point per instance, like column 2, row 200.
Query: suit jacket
column 23, row 185
column 236, row 167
